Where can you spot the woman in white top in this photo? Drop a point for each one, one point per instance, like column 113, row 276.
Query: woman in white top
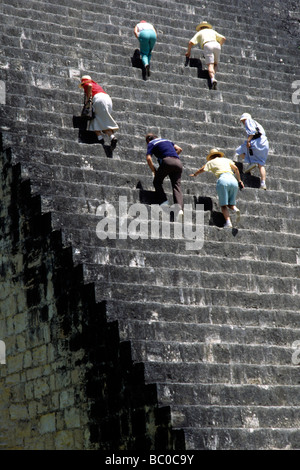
column 146, row 34
column 255, row 149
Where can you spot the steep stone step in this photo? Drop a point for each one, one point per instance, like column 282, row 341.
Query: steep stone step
column 176, row 351
column 236, row 418
column 244, row 260
column 184, row 278
column 193, row 295
column 178, row 342
column 194, row 373
column 255, row 394
column 243, row 439
column 244, row 316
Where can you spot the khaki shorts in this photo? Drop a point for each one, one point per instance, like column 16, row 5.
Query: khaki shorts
column 212, row 51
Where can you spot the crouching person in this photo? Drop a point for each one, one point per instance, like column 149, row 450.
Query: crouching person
column 228, row 183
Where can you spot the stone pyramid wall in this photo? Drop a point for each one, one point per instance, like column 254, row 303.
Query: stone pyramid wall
column 215, row 328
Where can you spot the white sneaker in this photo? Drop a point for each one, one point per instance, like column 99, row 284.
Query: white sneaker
column 263, row 186
column 228, row 224
column 250, row 167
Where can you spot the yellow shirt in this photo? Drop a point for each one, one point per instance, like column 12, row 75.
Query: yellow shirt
column 206, row 35
column 219, row 165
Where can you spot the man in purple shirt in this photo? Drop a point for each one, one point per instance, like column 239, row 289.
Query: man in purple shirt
column 167, row 155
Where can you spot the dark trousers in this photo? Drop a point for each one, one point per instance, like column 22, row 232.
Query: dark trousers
column 172, row 167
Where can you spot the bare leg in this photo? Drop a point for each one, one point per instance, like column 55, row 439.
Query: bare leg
column 100, row 137
column 262, row 172
column 225, row 213
column 113, row 139
column 108, row 132
column 211, row 71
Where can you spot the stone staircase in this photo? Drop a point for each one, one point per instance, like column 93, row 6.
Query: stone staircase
column 214, row 327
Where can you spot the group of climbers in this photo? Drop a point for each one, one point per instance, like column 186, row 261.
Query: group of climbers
column 254, row 150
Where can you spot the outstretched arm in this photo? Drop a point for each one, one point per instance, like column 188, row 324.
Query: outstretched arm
column 201, row 170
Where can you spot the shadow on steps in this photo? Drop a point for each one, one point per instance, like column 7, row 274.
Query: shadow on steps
column 137, row 62
column 146, row 196
column 89, row 137
column 250, row 181
column 196, row 63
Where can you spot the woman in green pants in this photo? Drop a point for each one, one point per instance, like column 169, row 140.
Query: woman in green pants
column 146, row 34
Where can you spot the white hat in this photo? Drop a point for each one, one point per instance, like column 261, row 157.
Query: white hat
column 203, row 24
column 84, row 79
column 245, row 116
column 214, row 152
